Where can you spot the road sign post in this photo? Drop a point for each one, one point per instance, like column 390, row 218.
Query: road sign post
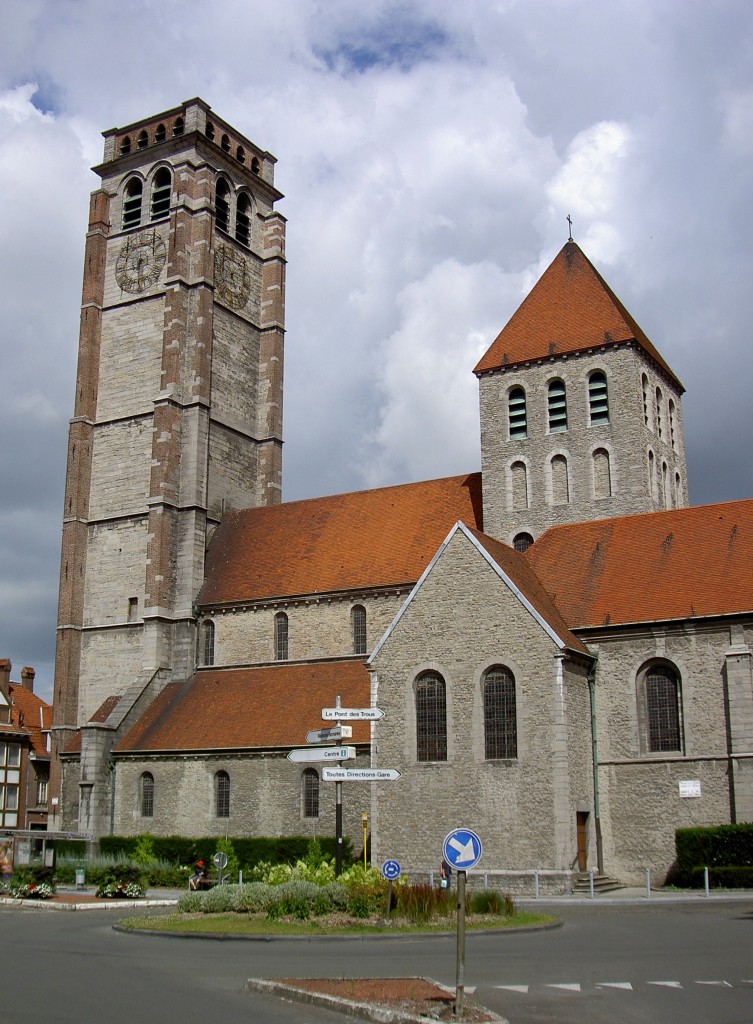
column 462, row 850
column 301, row 754
column 390, row 870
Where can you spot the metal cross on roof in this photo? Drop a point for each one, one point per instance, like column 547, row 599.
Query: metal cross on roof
column 570, row 226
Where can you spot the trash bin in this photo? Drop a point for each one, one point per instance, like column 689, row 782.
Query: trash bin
column 80, row 877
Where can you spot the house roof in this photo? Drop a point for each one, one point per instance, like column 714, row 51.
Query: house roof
column 246, row 708
column 571, row 308
column 376, row 538
column 657, row 566
column 31, row 716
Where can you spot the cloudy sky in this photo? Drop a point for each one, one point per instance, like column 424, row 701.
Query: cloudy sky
column 430, row 152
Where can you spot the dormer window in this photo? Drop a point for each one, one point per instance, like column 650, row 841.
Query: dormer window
column 161, row 189
column 132, row 203
column 598, row 399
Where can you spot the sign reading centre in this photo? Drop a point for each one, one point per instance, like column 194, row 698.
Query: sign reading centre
column 462, row 849
column 322, row 754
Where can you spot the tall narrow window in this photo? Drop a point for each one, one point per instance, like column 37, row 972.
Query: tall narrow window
column 519, row 473
column 310, row 783
column 222, row 205
column 207, row 642
column 133, row 609
column 222, row 795
column 679, row 500
column 644, row 384
column 661, row 711
column 358, row 616
column 602, row 474
column 557, row 407
column 598, row 398
column 42, row 781
column 281, row 637
column 161, row 189
column 146, row 795
column 659, row 420
column 652, row 475
column 666, row 497
column 243, row 220
column 132, row 203
column 431, row 718
column 516, row 405
column 500, row 716
column 560, row 483
column 672, row 440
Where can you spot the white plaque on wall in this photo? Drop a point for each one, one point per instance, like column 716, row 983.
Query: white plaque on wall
column 692, row 787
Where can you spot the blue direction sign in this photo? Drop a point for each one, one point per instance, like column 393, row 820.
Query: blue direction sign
column 462, row 849
column 391, row 870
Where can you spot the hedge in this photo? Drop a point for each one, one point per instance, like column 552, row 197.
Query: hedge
column 248, row 850
column 718, row 846
column 723, row 878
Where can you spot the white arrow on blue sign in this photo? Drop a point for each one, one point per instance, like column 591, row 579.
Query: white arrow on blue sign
column 462, row 849
column 391, row 870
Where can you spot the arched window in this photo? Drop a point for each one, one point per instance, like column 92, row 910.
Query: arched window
column 672, row 439
column 522, row 542
column 431, row 718
column 221, row 795
column 500, row 716
column 132, row 203
column 243, row 220
column 210, row 131
column 516, row 406
column 255, row 165
column 125, row 145
column 560, row 483
column 281, row 637
column 225, row 143
column 207, row 642
column 142, row 140
column 679, row 500
column 598, row 398
column 666, row 496
column 557, row 407
column 660, row 709
column 178, row 126
column 519, row 473
column 146, row 795
column 240, row 155
column 222, row 205
column 310, row 793
column 644, row 385
column 652, row 475
column 659, row 420
column 358, row 619
column 602, row 474
column 160, row 135
column 161, row 189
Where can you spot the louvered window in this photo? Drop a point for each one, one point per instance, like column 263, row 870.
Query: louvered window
column 517, row 413
column 161, row 189
column 557, row 407
column 132, row 203
column 500, row 716
column 243, row 221
column 598, row 398
column 222, row 205
column 431, row 718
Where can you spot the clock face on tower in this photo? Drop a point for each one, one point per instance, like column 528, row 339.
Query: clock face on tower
column 232, row 281
column 140, row 262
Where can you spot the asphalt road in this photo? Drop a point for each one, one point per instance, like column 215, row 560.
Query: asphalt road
column 619, row 964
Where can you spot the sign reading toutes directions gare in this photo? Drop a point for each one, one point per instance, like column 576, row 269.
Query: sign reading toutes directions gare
column 360, row 775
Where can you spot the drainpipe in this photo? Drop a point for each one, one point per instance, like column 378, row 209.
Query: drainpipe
column 595, row 757
column 112, row 797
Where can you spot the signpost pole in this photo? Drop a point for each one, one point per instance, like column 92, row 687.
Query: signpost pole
column 460, row 966
column 338, row 819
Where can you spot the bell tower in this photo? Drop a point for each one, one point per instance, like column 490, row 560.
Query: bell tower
column 177, row 414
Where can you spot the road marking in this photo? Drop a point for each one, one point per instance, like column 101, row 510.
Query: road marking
column 569, row 987
column 514, row 988
column 720, row 984
column 666, row 984
column 615, row 984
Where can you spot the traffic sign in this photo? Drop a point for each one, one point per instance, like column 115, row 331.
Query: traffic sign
column 391, row 870
column 360, row 774
column 322, row 754
column 220, row 860
column 332, row 735
column 352, row 714
column 462, row 849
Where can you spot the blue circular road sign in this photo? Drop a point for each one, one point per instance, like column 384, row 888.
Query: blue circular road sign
column 462, row 849
column 391, row 870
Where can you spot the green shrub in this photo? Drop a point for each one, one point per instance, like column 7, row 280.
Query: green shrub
column 423, row 902
column 491, row 902
column 218, row 900
column 251, row 897
column 189, row 902
column 719, row 846
column 723, row 878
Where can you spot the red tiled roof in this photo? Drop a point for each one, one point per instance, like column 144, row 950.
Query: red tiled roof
column 525, row 579
column 243, row 708
column 27, row 705
column 569, row 309
column 662, row 565
column 375, row 538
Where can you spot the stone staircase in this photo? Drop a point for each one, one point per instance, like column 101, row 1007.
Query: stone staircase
column 602, row 883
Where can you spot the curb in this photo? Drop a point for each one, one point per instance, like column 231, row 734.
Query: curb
column 363, row 1011
column 7, row 901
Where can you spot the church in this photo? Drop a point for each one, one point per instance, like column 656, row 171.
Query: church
column 558, row 646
